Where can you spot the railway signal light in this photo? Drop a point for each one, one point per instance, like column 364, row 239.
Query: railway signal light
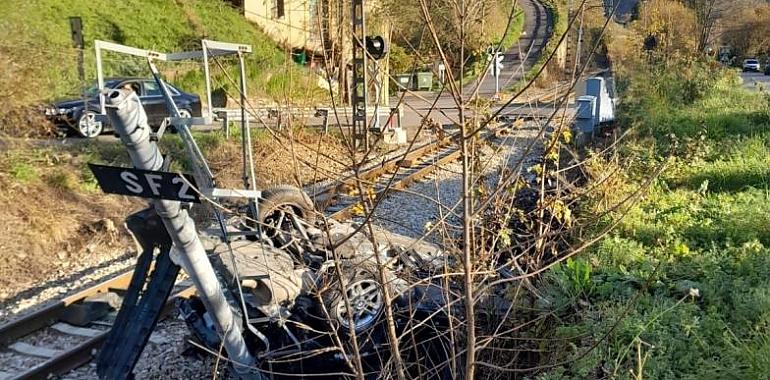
column 376, row 47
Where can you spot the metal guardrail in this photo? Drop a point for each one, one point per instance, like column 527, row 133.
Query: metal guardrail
column 230, row 115
column 301, row 112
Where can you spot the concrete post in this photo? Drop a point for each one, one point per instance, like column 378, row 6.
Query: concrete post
column 130, row 122
column 586, row 118
column 226, row 123
column 594, row 88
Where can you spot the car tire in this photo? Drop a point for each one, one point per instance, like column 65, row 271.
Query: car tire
column 87, row 125
column 364, row 292
column 279, row 201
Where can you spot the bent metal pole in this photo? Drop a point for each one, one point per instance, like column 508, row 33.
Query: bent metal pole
column 130, row 122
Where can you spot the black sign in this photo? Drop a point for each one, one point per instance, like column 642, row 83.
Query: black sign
column 76, row 29
column 145, row 183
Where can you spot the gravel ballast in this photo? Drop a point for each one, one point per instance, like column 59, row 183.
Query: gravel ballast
column 425, row 203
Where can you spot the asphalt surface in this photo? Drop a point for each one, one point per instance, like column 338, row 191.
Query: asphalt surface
column 518, row 60
column 756, row 81
column 523, row 55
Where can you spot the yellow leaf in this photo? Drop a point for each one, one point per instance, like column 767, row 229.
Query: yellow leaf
column 358, row 209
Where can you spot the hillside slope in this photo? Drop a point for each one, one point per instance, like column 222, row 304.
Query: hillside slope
column 38, row 62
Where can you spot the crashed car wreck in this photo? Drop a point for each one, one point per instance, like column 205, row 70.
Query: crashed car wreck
column 288, row 298
column 303, row 302
column 280, row 290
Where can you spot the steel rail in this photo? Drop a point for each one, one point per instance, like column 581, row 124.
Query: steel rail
column 402, row 182
column 83, row 352
column 50, row 314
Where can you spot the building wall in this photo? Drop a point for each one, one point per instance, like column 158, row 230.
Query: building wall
column 291, row 22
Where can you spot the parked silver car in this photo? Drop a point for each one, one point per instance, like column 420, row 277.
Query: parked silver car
column 751, row 64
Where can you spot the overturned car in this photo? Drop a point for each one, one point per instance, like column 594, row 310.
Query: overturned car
column 280, row 289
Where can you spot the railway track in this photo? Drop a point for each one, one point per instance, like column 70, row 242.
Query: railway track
column 341, row 200
column 67, row 334
column 71, row 330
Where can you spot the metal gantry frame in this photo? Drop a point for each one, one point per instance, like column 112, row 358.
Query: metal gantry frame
column 209, row 49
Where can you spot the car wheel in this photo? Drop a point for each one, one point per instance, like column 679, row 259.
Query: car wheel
column 88, row 125
column 364, row 294
column 276, row 208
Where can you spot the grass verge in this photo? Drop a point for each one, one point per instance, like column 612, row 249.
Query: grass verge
column 40, row 63
column 681, row 288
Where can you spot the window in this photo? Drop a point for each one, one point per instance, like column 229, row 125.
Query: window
column 278, row 9
column 151, row 89
column 134, row 86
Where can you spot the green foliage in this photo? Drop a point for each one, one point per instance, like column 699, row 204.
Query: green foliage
column 23, row 172
column 686, row 274
column 573, row 279
column 39, row 31
column 486, row 24
column 508, row 38
column 400, row 60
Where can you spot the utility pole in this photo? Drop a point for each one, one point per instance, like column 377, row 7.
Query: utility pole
column 359, row 83
column 580, row 38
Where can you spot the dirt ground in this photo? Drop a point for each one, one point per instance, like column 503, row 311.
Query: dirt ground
column 57, row 221
column 299, row 159
column 52, row 222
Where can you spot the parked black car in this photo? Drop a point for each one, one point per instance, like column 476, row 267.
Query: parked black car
column 81, row 115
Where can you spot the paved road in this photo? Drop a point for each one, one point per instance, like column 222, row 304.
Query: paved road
column 522, row 56
column 756, row 81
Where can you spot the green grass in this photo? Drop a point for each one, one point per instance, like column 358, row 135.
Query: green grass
column 508, row 40
column 38, row 31
column 705, row 226
column 23, row 172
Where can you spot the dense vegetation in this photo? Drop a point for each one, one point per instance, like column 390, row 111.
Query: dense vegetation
column 681, row 286
column 38, row 61
column 486, row 23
